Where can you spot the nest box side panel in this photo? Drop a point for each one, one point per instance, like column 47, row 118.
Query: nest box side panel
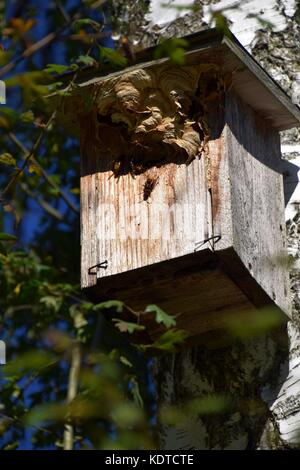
column 257, row 198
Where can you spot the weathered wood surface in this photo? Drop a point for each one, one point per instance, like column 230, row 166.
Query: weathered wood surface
column 227, row 193
column 257, row 199
column 119, row 223
column 202, row 300
column 118, row 226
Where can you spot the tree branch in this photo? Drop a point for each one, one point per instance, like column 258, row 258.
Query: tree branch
column 72, row 392
column 47, row 177
column 44, row 204
column 63, row 11
column 45, row 41
column 30, row 154
column 31, row 50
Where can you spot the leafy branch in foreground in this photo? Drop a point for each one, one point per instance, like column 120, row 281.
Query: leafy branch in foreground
column 91, row 392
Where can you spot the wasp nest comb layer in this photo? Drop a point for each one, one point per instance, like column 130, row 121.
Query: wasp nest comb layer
column 148, row 117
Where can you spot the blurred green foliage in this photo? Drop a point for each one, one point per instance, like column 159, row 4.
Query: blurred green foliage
column 173, row 48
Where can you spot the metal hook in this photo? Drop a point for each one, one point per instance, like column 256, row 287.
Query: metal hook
column 102, row 265
column 215, row 239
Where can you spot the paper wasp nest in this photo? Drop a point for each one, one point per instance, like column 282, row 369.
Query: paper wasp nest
column 150, row 117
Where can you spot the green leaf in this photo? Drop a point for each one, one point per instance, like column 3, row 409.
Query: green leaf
column 115, row 304
column 168, row 341
column 28, row 116
column 8, row 237
column 56, row 69
column 172, row 416
column 135, row 391
column 30, row 361
column 8, row 117
column 202, row 406
column 221, row 22
column 86, row 305
column 127, row 414
column 86, row 60
column 210, row 404
column 51, row 302
column 174, row 48
column 46, row 412
column 75, row 191
column 127, row 327
column 264, row 23
column 125, row 361
column 78, row 24
column 250, row 324
column 111, row 56
column 7, row 159
column 55, row 86
column 76, row 313
column 3, row 250
column 161, row 316
column 11, row 446
column 178, row 56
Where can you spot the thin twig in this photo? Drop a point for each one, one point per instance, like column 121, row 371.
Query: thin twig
column 72, row 392
column 47, row 177
column 84, row 37
column 17, row 308
column 63, row 11
column 19, row 421
column 30, row 154
column 31, row 50
column 44, row 204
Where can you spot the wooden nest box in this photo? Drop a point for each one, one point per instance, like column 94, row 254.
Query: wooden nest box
column 181, row 187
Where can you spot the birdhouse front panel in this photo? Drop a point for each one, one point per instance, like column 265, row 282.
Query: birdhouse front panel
column 147, row 171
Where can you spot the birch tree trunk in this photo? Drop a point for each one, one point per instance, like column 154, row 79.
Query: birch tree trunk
column 262, row 375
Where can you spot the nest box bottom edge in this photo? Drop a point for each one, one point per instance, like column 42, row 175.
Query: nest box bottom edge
column 212, row 295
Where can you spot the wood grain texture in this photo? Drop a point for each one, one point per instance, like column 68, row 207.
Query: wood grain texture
column 119, row 226
column 234, row 191
column 257, row 199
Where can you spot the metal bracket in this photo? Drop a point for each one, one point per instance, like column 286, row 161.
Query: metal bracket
column 210, row 240
column 102, row 265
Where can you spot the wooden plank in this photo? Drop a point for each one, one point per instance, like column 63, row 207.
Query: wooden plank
column 87, row 203
column 202, row 301
column 257, row 199
column 120, row 227
column 220, row 196
column 196, row 288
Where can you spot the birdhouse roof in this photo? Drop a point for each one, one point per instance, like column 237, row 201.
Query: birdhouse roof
column 249, row 80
